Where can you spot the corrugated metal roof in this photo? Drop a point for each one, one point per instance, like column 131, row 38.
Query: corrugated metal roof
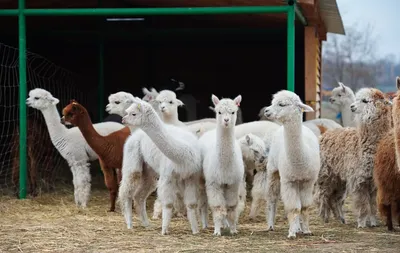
column 331, row 16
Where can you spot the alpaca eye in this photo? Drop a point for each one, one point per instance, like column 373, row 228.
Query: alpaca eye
column 219, row 113
column 233, row 113
column 171, row 102
column 36, row 98
column 282, row 105
column 339, row 95
column 117, row 102
column 256, row 152
column 133, row 114
column 365, row 101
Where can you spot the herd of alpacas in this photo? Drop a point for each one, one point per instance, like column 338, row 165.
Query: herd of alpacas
column 206, row 164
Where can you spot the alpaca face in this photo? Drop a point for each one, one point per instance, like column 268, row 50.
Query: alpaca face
column 226, row 110
column 40, row 99
column 136, row 113
column 253, row 148
column 369, row 104
column 119, row 102
column 285, row 106
column 168, row 103
column 71, row 113
column 149, row 95
column 341, row 95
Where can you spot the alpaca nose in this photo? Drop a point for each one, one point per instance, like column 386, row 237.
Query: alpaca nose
column 353, row 108
column 331, row 100
column 226, row 120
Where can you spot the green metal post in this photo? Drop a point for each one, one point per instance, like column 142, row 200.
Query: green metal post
column 101, row 78
column 290, row 45
column 22, row 98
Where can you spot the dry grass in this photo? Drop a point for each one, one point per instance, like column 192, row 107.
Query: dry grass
column 52, row 223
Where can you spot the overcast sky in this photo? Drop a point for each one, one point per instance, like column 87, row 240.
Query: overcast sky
column 383, row 15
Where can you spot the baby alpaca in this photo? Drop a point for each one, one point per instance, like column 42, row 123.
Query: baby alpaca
column 223, row 167
column 293, row 162
column 173, row 151
column 347, row 159
column 254, row 150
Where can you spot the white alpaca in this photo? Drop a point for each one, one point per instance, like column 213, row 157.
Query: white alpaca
column 223, row 167
column 254, row 151
column 70, row 142
column 171, row 150
column 198, row 127
column 120, row 101
column 343, row 97
column 293, row 162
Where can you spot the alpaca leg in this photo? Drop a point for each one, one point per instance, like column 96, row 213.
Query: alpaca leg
column 157, row 209
column 232, row 201
column 81, row 179
column 338, row 203
column 273, row 190
column 388, row 214
column 111, row 183
column 362, row 205
column 291, row 198
column 125, row 197
column 373, row 208
column 203, row 205
column 258, row 195
column 306, row 199
column 166, row 191
column 216, row 200
column 191, row 200
column 147, row 185
column 242, row 197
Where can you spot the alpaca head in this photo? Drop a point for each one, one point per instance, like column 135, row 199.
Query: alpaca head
column 72, row 113
column 253, row 148
column 342, row 95
column 168, row 103
column 119, row 102
column 226, row 110
column 149, row 95
column 41, row 99
column 370, row 103
column 138, row 113
column 286, row 106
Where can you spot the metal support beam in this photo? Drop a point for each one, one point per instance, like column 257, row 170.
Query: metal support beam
column 291, row 46
column 22, row 98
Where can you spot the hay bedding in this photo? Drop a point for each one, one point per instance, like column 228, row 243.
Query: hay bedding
column 52, row 223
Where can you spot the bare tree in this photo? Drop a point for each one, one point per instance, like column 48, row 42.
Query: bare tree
column 351, row 59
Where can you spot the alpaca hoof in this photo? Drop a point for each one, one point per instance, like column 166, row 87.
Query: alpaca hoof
column 195, row 232
column 307, row 233
column 111, row 210
column 217, row 233
column 146, row 224
column 342, row 220
column 271, row 228
column 164, row 232
column 361, row 226
column 291, row 236
column 204, row 226
column 234, row 232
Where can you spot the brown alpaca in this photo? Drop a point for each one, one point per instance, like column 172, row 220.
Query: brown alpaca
column 322, row 129
column 347, row 159
column 109, row 148
column 35, row 158
column 386, row 170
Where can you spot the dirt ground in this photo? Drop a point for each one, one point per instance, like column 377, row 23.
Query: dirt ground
column 52, row 223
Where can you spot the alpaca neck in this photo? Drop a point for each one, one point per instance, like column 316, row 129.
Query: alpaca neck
column 347, row 115
column 53, row 122
column 293, row 141
column 169, row 145
column 170, row 118
column 225, row 143
column 92, row 137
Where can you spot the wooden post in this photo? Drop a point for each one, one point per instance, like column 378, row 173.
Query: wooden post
column 312, row 71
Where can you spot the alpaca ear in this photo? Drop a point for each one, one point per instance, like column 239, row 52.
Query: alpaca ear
column 211, row 108
column 305, row 108
column 237, row 100
column 154, row 91
column 398, row 82
column 179, row 102
column 54, row 101
column 214, row 99
column 342, row 86
column 248, row 140
column 145, row 91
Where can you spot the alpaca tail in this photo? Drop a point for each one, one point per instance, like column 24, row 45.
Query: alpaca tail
column 322, row 129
